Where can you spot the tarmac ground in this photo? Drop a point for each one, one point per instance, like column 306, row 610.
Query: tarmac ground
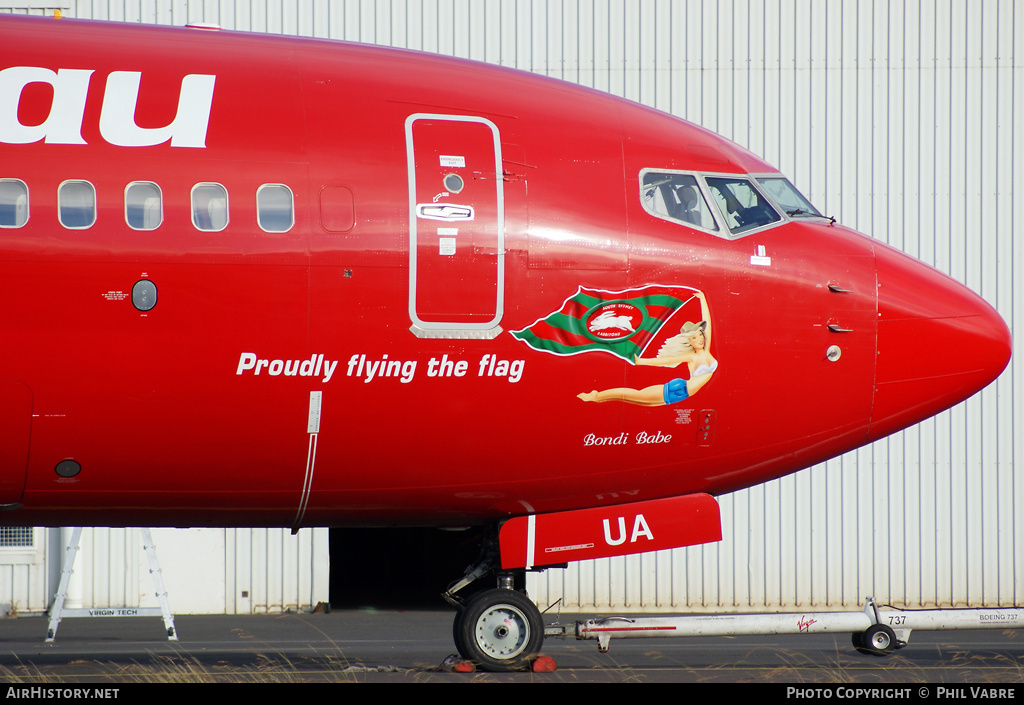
column 411, row 646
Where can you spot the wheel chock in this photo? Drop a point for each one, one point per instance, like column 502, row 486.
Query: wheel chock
column 543, row 664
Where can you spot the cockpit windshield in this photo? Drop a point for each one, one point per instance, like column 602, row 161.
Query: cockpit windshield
column 727, row 205
column 788, row 198
column 742, row 205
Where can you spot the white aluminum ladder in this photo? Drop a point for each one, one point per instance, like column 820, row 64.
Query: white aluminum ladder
column 58, row 611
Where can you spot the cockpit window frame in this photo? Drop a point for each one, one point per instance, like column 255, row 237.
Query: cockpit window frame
column 721, row 222
column 701, row 187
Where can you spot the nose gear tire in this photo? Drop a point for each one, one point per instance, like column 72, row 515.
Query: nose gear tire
column 500, row 630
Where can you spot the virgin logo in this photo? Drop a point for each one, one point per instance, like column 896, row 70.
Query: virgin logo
column 117, row 124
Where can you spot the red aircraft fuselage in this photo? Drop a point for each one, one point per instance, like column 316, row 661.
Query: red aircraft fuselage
column 400, row 289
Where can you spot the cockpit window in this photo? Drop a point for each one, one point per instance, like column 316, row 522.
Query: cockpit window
column 788, row 198
column 676, row 197
column 742, row 206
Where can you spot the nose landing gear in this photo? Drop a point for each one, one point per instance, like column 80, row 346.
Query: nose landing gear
column 499, row 629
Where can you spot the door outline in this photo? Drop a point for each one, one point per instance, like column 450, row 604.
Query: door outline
column 455, row 329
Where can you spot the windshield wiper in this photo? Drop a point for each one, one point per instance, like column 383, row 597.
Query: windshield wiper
column 802, row 212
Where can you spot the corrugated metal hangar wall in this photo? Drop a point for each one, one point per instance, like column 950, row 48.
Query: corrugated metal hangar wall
column 899, row 118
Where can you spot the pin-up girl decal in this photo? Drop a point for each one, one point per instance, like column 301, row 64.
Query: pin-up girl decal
column 692, row 346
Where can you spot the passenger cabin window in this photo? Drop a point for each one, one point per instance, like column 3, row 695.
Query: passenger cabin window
column 143, row 205
column 76, row 204
column 676, row 197
column 275, row 211
column 209, row 207
column 13, row 203
column 743, row 207
column 788, row 198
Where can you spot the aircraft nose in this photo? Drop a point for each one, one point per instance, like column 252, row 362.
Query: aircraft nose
column 938, row 343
